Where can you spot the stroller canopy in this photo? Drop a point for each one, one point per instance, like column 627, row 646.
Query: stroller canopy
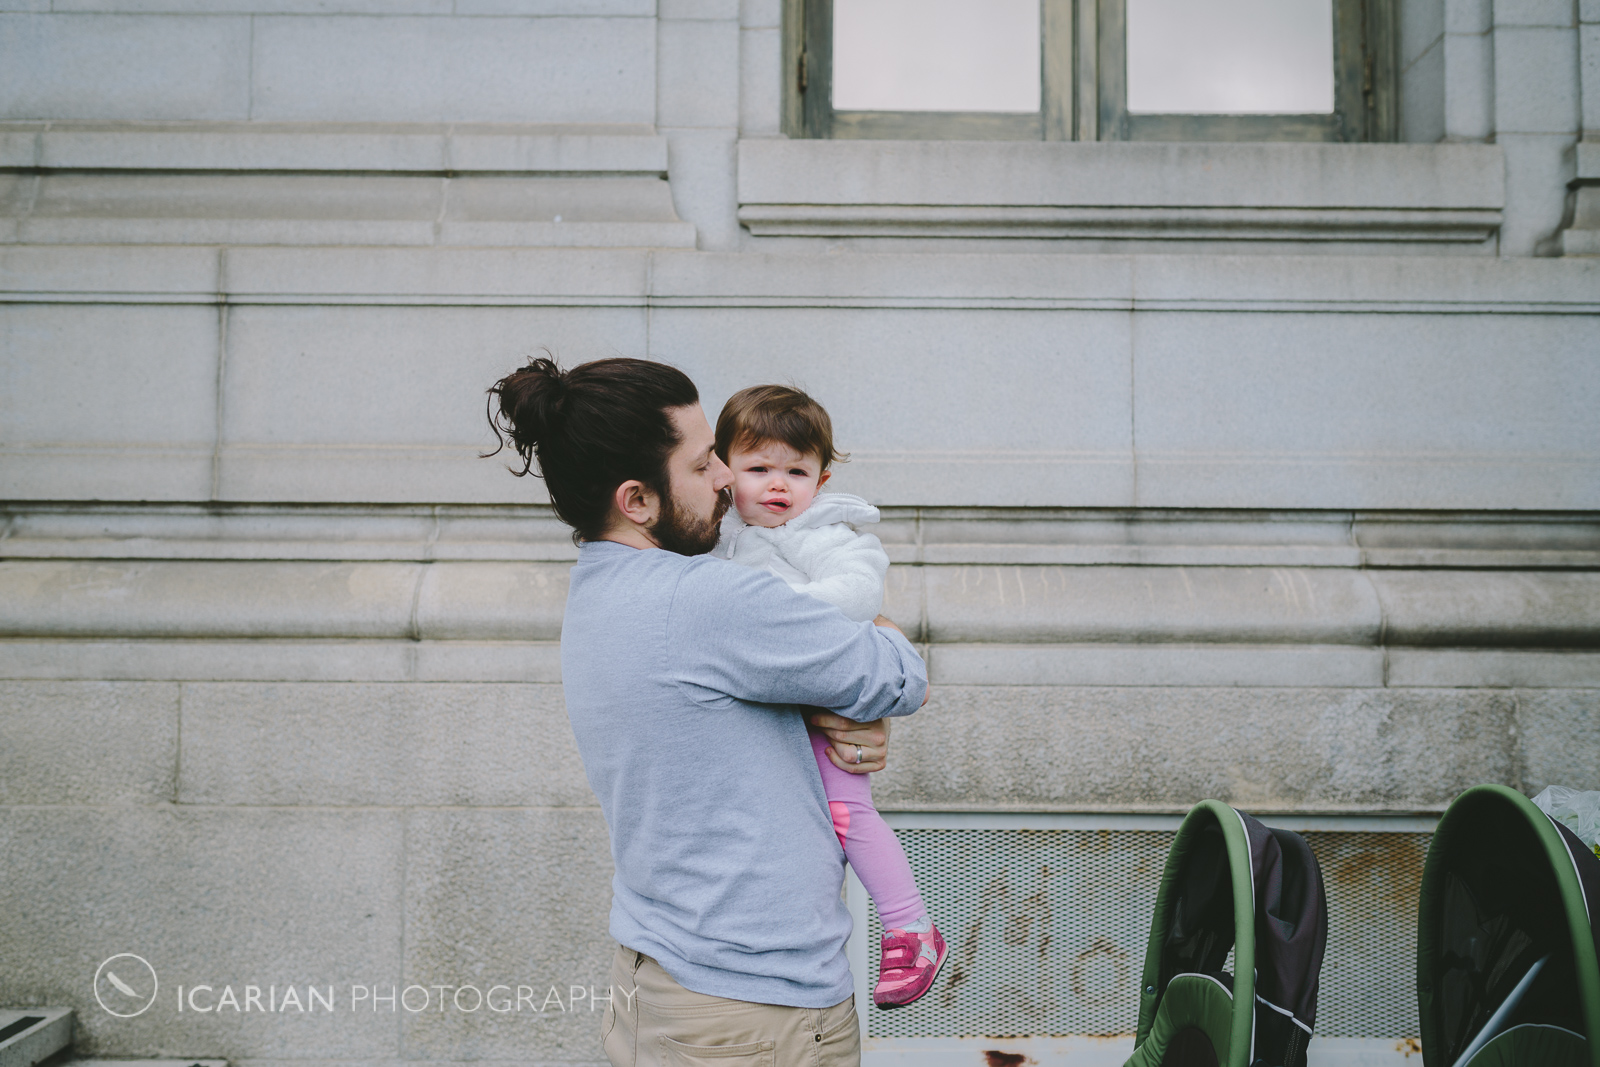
column 1506, row 938
column 1232, row 883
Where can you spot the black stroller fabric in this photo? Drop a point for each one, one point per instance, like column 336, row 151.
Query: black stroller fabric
column 1291, row 937
column 1194, row 1012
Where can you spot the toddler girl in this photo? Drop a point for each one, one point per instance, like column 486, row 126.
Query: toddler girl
column 779, row 444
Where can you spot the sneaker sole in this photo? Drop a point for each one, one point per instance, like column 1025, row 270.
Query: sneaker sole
column 937, row 967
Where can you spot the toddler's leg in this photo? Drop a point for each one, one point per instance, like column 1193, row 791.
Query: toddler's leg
column 869, row 844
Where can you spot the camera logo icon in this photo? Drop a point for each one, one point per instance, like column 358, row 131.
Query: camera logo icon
column 125, row 985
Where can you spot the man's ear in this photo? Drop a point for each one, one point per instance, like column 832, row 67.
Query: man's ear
column 635, row 502
column 822, row 479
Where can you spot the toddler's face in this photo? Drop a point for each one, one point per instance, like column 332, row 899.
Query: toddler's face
column 772, row 483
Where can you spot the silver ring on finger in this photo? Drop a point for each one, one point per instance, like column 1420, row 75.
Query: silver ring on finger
column 858, row 753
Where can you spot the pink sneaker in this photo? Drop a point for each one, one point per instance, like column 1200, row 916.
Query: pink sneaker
column 908, row 966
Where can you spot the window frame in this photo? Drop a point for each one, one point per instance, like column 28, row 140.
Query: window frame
column 811, row 70
column 1083, row 91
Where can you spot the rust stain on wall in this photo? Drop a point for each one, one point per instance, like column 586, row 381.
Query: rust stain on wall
column 996, row 1058
column 1389, row 863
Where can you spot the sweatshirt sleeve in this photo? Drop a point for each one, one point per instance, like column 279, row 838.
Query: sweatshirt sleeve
column 846, row 569
column 738, row 634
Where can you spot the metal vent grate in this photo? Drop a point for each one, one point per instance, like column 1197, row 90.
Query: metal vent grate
column 1047, row 931
column 1369, row 976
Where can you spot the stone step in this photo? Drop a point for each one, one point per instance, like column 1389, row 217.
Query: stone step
column 31, row 1035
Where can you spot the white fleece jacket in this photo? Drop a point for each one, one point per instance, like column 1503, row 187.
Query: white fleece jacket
column 819, row 552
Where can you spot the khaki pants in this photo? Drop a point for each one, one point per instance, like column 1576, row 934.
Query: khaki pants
column 666, row 1025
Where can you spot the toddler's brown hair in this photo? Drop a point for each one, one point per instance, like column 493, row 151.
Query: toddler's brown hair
column 778, row 413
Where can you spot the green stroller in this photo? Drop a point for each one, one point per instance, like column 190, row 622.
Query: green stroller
column 1232, row 883
column 1508, row 938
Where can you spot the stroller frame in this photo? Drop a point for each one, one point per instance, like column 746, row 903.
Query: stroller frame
column 1577, row 882
column 1274, row 918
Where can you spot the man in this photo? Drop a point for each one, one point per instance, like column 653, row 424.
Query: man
column 684, row 678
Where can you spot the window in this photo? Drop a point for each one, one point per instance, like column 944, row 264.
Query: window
column 1056, row 70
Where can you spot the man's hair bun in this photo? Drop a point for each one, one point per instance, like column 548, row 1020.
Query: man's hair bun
column 589, row 429
column 530, row 407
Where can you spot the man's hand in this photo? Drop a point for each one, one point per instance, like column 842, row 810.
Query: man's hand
column 846, row 735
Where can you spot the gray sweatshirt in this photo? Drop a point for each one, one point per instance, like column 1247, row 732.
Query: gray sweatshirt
column 684, row 678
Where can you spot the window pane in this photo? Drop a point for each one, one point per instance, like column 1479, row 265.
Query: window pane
column 1225, row 57
column 936, row 55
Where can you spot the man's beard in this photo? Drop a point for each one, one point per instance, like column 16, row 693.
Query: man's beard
column 677, row 531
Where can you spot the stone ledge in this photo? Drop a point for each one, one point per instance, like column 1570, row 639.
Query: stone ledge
column 378, row 233
column 333, row 147
column 1183, row 666
column 911, row 535
column 539, row 662
column 1580, row 234
column 1128, row 223
column 284, row 184
column 255, row 660
column 344, row 209
column 1130, row 190
column 1035, row 605
column 448, row 276
column 336, row 601
column 1121, row 281
column 33, row 1034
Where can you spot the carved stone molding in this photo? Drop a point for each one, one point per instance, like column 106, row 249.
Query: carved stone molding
column 1193, row 192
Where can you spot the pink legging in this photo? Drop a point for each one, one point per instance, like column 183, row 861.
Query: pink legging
column 870, row 846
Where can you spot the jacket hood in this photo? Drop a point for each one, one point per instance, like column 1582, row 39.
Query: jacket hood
column 829, row 508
